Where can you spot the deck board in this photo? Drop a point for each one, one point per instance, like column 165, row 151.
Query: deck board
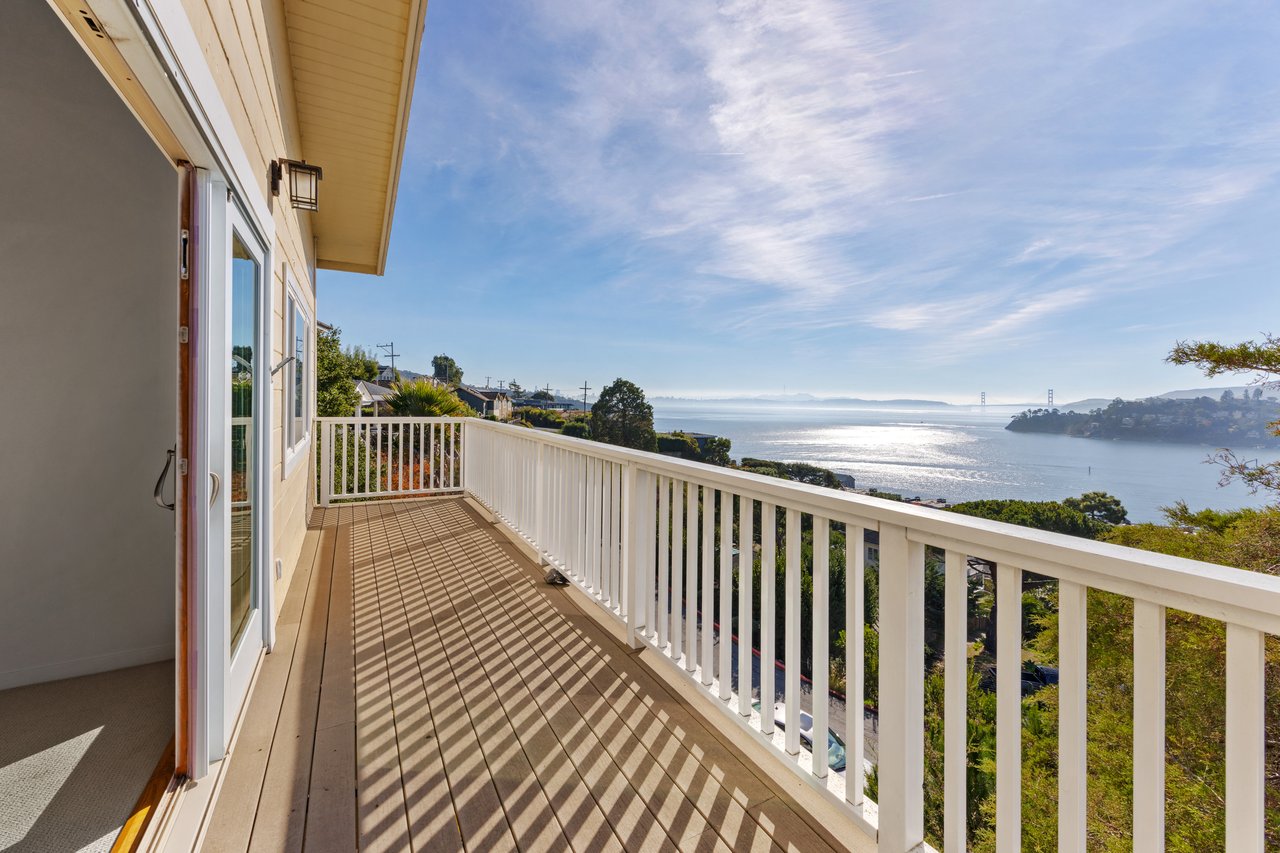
column 428, row 692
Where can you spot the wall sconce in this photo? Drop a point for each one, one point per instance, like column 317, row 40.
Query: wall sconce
column 304, row 182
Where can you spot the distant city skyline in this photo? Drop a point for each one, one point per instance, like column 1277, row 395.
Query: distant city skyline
column 840, row 199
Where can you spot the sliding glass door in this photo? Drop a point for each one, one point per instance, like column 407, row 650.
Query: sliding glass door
column 244, row 378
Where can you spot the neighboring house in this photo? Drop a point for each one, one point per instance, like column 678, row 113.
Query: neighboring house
column 486, row 401
column 702, row 438
column 386, row 374
column 374, row 396
column 176, row 171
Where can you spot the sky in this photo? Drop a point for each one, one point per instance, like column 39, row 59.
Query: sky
column 872, row 199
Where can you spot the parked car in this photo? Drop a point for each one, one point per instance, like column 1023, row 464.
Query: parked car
column 836, row 757
column 1035, row 676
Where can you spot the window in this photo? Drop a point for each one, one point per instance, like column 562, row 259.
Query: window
column 297, row 409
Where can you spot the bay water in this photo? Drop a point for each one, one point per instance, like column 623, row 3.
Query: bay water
column 963, row 453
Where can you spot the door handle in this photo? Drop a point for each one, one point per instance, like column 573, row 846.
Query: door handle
column 158, row 494
column 217, row 484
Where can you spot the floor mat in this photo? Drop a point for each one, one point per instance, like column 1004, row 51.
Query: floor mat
column 76, row 754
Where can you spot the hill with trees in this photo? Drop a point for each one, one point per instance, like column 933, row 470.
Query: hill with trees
column 1230, row 420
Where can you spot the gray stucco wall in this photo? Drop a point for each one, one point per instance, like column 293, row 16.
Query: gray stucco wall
column 88, row 380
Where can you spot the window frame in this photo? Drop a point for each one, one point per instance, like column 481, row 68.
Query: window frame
column 296, row 445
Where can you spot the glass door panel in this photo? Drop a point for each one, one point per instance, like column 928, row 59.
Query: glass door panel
column 245, row 275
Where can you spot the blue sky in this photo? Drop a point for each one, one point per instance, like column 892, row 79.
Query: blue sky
column 879, row 199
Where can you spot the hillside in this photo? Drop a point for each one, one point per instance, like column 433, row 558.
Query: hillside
column 1227, row 421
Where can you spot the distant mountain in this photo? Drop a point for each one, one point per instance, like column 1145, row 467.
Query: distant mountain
column 804, row 398
column 1085, row 405
column 1215, row 393
column 1188, row 394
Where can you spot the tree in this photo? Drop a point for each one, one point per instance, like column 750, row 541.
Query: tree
column 544, row 395
column 623, row 417
column 1263, row 361
column 446, row 370
column 423, row 399
column 515, row 389
column 716, row 451
column 577, row 428
column 1042, row 515
column 1099, row 506
column 336, row 395
column 362, row 363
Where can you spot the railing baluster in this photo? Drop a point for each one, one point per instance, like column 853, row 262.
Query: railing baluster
column 955, row 702
column 1072, row 715
column 1246, row 739
column 629, row 573
column 746, row 578
column 617, row 593
column 664, row 558
column 791, row 634
column 854, row 653
column 691, row 579
column 768, row 613
column 901, row 747
column 1008, row 709
column 677, row 570
column 708, row 604
column 348, row 437
column 326, row 464
column 726, row 595
column 821, row 640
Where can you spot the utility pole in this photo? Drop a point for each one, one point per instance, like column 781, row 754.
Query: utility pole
column 486, row 383
column 390, row 350
column 585, row 389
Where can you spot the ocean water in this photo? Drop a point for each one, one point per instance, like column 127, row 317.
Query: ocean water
column 964, row 453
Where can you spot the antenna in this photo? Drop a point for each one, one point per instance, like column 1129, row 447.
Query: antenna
column 391, row 354
column 585, row 389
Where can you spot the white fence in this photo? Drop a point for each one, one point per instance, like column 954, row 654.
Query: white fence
column 363, row 458
column 638, row 532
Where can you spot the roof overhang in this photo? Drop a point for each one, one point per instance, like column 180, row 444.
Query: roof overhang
column 353, row 73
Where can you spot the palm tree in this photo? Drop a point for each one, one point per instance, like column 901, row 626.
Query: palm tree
column 423, row 399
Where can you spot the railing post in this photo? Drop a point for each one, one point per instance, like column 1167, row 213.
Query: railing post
column 901, row 752
column 326, row 462
column 464, row 479
column 539, row 501
column 630, row 580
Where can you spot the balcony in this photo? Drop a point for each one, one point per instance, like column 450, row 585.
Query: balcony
column 428, row 691
column 437, row 692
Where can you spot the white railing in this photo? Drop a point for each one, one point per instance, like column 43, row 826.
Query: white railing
column 652, row 540
column 362, row 458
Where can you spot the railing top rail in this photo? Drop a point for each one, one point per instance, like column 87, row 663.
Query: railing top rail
column 395, row 419
column 1232, row 594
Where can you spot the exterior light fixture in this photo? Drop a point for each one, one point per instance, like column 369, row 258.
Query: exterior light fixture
column 304, row 182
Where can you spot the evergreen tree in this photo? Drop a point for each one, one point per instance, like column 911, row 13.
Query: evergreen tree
column 623, row 417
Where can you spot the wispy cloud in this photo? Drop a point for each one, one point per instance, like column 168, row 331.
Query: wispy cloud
column 954, row 176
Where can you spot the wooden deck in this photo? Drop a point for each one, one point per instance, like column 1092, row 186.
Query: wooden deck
column 429, row 692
